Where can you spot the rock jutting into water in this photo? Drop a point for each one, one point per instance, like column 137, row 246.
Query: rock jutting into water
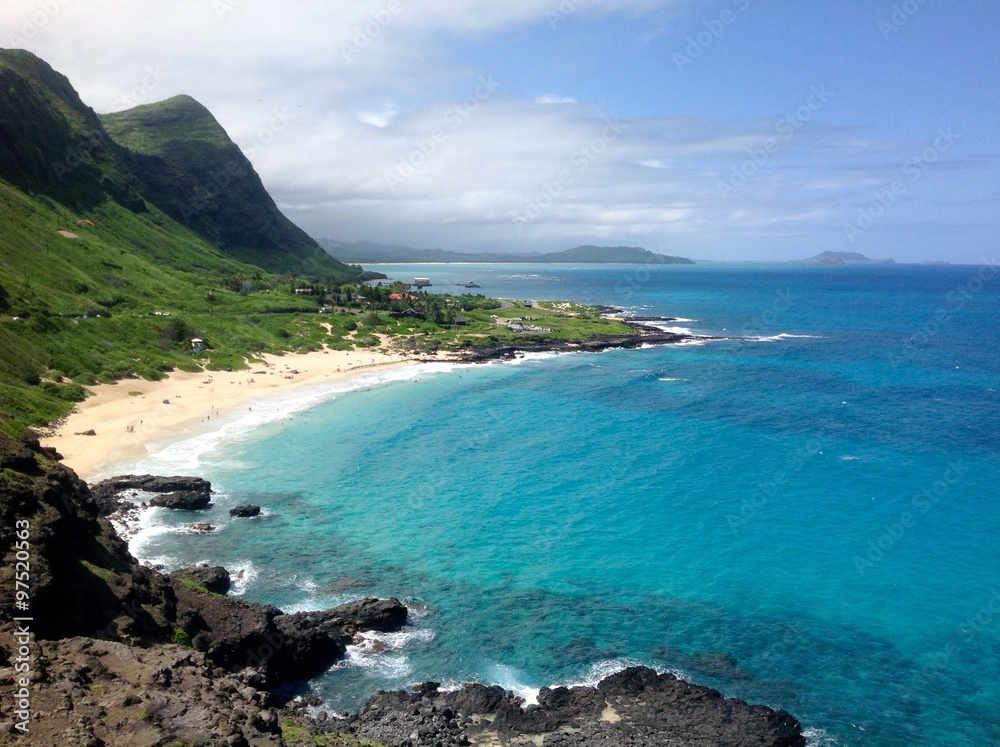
column 208, row 667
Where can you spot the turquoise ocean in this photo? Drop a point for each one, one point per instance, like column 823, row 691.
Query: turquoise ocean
column 807, row 516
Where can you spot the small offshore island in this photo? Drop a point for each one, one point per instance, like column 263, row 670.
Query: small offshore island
column 129, row 272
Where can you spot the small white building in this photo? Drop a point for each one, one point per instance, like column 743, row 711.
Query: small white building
column 421, row 282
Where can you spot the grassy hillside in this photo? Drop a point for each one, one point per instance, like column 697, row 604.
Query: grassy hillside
column 123, row 299
column 99, row 282
column 192, row 171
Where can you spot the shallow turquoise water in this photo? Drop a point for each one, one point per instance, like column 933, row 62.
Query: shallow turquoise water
column 807, row 519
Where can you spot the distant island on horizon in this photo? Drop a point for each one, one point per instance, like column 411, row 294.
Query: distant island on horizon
column 844, row 258
column 369, row 252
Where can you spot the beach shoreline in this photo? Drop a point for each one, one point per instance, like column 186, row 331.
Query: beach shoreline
column 127, row 420
column 131, row 418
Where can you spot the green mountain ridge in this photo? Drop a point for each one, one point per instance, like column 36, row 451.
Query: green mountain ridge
column 192, row 171
column 366, row 251
column 98, row 283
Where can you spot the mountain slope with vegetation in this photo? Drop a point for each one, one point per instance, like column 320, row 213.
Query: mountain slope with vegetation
column 192, row 171
column 367, row 251
column 103, row 278
column 97, row 283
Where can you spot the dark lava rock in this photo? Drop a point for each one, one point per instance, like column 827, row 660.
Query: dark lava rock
column 633, row 708
column 84, row 581
column 109, row 493
column 283, row 648
column 183, row 501
column 245, row 512
column 214, row 579
column 482, row 353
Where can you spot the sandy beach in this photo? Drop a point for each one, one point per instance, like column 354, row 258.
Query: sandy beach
column 126, row 417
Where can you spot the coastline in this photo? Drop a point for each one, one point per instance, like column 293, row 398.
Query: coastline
column 126, row 425
column 125, row 420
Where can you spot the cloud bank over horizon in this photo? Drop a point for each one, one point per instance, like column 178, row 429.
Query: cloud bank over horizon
column 724, row 129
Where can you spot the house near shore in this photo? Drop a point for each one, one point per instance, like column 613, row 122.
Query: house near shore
column 197, row 345
column 421, row 282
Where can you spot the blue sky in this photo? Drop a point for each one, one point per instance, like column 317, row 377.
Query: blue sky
column 716, row 129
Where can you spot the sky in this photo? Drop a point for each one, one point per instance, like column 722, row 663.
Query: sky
column 711, row 129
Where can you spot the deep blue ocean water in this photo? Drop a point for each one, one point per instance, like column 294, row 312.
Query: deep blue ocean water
column 808, row 518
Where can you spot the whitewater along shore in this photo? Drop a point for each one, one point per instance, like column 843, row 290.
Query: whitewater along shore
column 127, row 420
column 104, row 651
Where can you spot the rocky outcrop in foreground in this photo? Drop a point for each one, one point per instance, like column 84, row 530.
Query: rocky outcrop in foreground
column 122, row 655
column 189, row 493
column 636, row 707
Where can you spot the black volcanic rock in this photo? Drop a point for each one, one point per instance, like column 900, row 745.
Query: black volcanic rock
column 91, row 599
column 191, row 493
column 84, row 581
column 484, row 352
column 282, row 647
column 245, row 512
column 182, row 500
column 214, row 579
column 633, row 708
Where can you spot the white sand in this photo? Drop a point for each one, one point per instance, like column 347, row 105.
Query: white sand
column 125, row 424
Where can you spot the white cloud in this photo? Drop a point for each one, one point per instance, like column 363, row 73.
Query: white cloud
column 384, row 136
column 551, row 98
column 378, row 118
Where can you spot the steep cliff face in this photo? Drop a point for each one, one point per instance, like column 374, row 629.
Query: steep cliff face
column 192, row 171
column 52, row 144
column 172, row 154
column 83, row 581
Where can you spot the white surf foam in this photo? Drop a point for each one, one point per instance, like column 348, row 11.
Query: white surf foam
column 185, row 455
column 818, row 738
column 669, row 328
column 783, row 336
column 509, row 678
column 382, row 653
column 241, row 576
column 528, row 357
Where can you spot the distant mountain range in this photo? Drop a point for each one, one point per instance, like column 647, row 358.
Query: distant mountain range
column 369, row 252
column 845, row 258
